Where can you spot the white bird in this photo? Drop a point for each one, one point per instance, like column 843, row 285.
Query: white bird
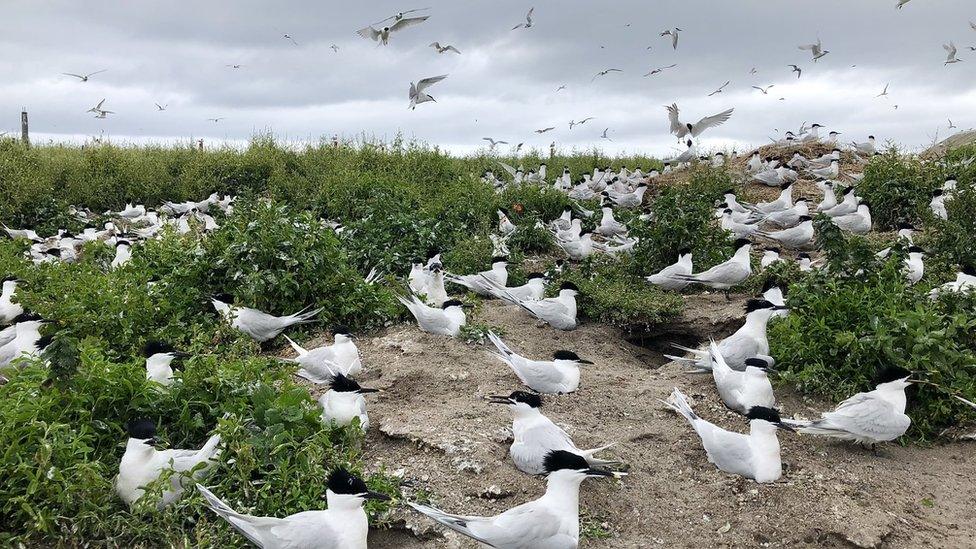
column 505, row 225
column 84, row 77
column 159, row 361
column 342, row 526
column 558, row 376
column 737, row 228
column 533, row 290
column 789, row 217
column 950, row 49
column 604, row 73
column 418, row 93
column 559, row 312
column 681, row 129
column 937, row 204
column 782, row 202
column 27, row 342
column 628, row 200
column 866, row 148
column 492, row 143
column 858, row 222
column 142, row 463
column 720, row 88
column 260, row 326
column 770, row 256
column 382, row 36
column 830, row 172
column 442, row 49
column 667, row 279
column 550, row 522
column 867, row 418
column 609, row 226
column 902, row 3
column 765, row 91
column 847, row 205
column 528, row 21
column 497, row 276
column 800, row 236
column 9, row 309
column 673, row 33
column 447, row 320
column 689, row 155
column 21, row 233
column 161, row 107
column 727, row 274
column 321, row 364
column 741, row 390
column 816, row 50
column 964, row 283
column 829, row 198
column 578, row 249
column 123, row 252
column 535, row 435
column 749, row 341
column 344, row 402
column 754, row 456
column 884, row 92
column 914, row 266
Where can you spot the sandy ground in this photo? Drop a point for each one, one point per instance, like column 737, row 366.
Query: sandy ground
column 433, row 426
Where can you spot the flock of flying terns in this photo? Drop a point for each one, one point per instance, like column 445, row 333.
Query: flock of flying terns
column 739, row 363
column 382, row 31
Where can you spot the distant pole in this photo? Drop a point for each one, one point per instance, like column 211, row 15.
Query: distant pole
column 24, row 133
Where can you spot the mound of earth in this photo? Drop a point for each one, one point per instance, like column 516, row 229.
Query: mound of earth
column 433, row 427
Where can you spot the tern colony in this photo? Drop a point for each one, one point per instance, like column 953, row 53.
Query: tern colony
column 739, row 363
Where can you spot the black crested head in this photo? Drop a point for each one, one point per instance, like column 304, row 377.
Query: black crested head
column 773, row 249
column 968, row 269
column 451, row 303
column 499, row 259
column 785, row 186
column 768, row 414
column 141, row 429
column 803, row 255
column 848, row 190
column 123, row 243
column 225, row 298
column 43, row 342
column 155, row 347
column 342, row 384
column 740, row 242
column 865, row 203
column 803, row 218
column 951, row 177
column 533, row 276
column 757, row 304
column 684, row 251
column 557, row 460
column 504, row 211
column 727, row 211
column 757, row 362
column 870, row 137
column 9, row 278
column 728, row 191
column 342, row 481
column 938, row 192
column 915, row 250
column 769, row 285
column 530, row 399
column 341, row 329
column 568, row 286
column 889, row 374
column 906, row 225
column 565, row 355
column 26, row 317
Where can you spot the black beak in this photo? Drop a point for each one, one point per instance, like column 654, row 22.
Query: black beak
column 781, row 308
column 180, row 354
column 498, row 399
column 377, row 496
column 467, row 306
column 598, row 473
column 367, row 390
column 584, row 361
column 785, row 427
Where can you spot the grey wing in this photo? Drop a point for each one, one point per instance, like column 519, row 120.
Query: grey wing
column 712, row 121
column 528, row 525
column 369, row 33
column 306, row 529
column 866, row 415
column 413, row 91
column 676, row 126
column 722, row 271
column 428, row 82
column 432, row 319
column 452, row 48
column 511, row 171
column 725, row 448
column 407, row 22
column 546, row 308
column 549, row 437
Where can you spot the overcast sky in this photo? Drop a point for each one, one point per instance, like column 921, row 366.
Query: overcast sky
column 504, row 82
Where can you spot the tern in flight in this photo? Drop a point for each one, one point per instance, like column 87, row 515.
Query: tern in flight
column 84, row 78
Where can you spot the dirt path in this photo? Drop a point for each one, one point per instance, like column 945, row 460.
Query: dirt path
column 433, row 426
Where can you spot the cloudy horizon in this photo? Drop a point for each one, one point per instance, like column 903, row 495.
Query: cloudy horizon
column 502, row 85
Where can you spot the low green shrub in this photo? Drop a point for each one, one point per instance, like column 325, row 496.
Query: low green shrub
column 842, row 329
